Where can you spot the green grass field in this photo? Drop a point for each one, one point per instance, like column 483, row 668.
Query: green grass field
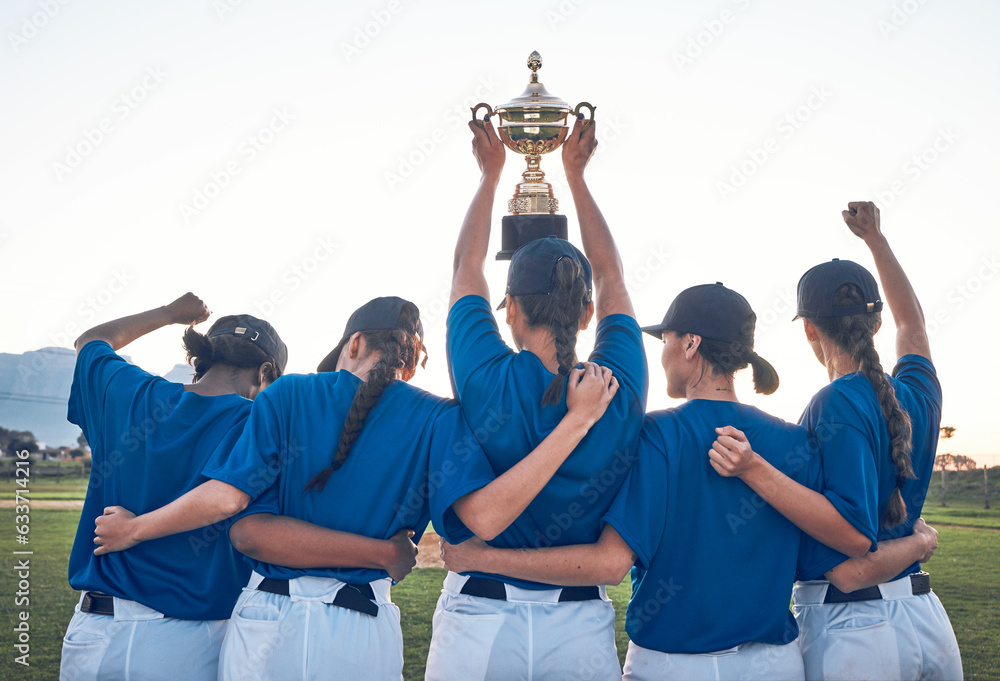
column 964, row 575
column 66, row 488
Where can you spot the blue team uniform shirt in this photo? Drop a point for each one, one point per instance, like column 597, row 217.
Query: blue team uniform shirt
column 501, row 395
column 715, row 563
column 414, row 458
column 858, row 475
column 150, row 439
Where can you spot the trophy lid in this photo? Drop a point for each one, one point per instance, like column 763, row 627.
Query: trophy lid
column 535, row 95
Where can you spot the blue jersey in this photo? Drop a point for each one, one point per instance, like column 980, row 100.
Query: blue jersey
column 150, row 438
column 501, row 395
column 715, row 563
column 414, row 458
column 858, row 474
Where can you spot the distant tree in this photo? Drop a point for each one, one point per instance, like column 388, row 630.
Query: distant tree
column 946, row 433
column 82, row 441
column 12, row 441
column 954, row 462
column 964, row 463
column 943, row 462
column 24, row 443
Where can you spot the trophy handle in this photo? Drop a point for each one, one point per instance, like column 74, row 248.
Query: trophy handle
column 489, row 112
column 576, row 111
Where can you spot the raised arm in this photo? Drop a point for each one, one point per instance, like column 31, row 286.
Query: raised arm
column 468, row 277
column 732, row 456
column 490, row 509
column 294, row 543
column 893, row 556
column 188, row 310
column 605, row 562
column 611, row 295
column 862, row 217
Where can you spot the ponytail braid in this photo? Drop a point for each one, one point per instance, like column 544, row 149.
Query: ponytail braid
column 559, row 312
column 855, row 335
column 400, row 353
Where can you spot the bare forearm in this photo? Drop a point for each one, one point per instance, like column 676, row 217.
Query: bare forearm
column 294, row 543
column 565, row 565
column 209, row 503
column 911, row 333
column 491, row 509
column 605, row 562
column 809, row 510
column 474, row 241
column 602, row 251
column 598, row 244
column 893, row 556
column 121, row 332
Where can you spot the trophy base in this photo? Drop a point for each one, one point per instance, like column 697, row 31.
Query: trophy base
column 518, row 230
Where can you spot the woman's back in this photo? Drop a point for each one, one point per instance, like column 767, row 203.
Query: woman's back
column 150, row 440
column 847, row 421
column 413, row 458
column 501, row 393
column 704, row 542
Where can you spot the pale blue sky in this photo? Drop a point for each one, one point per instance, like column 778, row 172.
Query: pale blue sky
column 317, row 155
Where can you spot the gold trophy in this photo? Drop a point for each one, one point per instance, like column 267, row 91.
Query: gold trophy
column 533, row 123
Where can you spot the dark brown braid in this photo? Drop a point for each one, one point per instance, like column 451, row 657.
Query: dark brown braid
column 855, row 335
column 559, row 312
column 204, row 352
column 400, row 351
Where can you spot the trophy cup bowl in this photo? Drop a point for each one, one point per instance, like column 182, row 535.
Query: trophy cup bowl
column 532, row 124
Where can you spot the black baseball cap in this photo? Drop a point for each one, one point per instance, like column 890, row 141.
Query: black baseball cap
column 255, row 330
column 711, row 311
column 379, row 313
column 818, row 286
column 533, row 266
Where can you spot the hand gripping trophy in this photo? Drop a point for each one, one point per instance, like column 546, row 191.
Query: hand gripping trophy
column 533, row 123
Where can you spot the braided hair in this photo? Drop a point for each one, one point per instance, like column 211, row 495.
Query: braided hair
column 854, row 334
column 204, row 352
column 559, row 312
column 399, row 353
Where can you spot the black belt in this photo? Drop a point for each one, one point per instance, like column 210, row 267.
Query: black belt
column 492, row 588
column 920, row 583
column 97, row 603
column 356, row 597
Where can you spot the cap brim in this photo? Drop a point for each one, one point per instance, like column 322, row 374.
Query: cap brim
column 329, row 362
column 655, row 331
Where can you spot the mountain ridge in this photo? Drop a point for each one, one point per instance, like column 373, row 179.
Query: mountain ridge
column 34, row 392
